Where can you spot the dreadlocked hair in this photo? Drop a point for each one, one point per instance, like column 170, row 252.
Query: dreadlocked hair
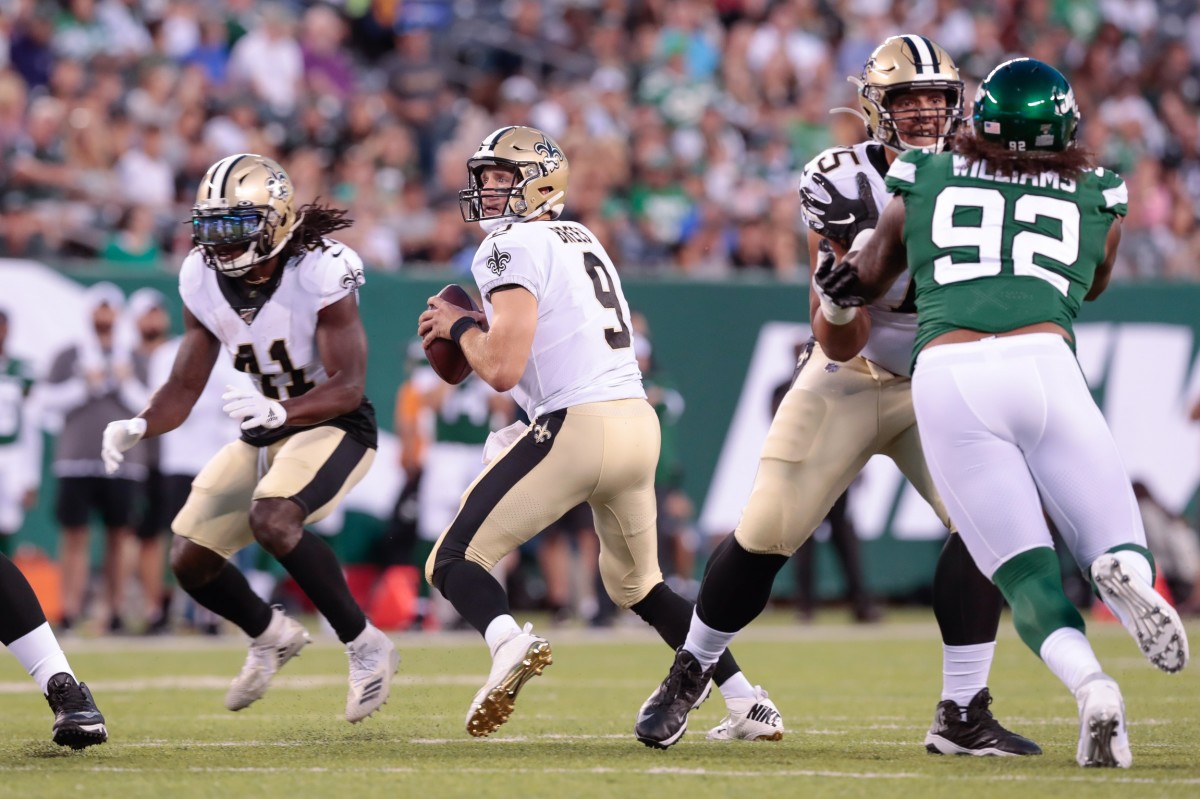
column 316, row 222
column 1004, row 162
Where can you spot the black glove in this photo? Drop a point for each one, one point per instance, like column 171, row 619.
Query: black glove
column 835, row 216
column 837, row 283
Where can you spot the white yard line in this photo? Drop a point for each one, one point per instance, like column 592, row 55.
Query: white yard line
column 662, row 771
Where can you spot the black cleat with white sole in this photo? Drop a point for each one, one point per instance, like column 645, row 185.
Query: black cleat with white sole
column 77, row 720
column 978, row 734
column 662, row 720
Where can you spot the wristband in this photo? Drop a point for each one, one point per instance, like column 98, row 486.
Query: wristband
column 837, row 315
column 459, row 329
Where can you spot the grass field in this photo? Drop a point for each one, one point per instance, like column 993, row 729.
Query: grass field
column 856, row 702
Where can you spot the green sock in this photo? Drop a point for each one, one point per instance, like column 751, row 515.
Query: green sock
column 1032, row 584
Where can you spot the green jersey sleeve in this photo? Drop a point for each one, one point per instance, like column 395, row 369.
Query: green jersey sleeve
column 1112, row 189
column 902, row 176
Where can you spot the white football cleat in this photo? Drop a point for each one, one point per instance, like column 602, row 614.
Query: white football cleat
column 1148, row 617
column 280, row 642
column 754, row 719
column 1103, row 737
column 515, row 662
column 373, row 661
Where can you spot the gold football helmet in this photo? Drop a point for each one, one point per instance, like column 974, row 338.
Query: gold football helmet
column 244, row 213
column 908, row 63
column 540, row 174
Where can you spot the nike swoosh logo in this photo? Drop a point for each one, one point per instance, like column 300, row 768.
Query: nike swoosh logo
column 845, row 221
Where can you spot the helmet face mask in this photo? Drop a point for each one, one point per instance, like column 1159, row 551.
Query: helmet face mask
column 539, row 177
column 244, row 213
column 1025, row 105
column 905, row 64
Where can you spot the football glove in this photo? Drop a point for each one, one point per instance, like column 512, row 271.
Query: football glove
column 253, row 409
column 835, row 216
column 119, row 437
column 837, row 288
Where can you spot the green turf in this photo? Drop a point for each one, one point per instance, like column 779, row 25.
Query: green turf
column 856, row 701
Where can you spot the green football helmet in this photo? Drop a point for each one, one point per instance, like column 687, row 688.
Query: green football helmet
column 1026, row 105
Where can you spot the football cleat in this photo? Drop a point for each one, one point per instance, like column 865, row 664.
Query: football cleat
column 1103, row 738
column 280, row 642
column 373, row 661
column 516, row 661
column 979, row 734
column 754, row 719
column 77, row 721
column 662, row 719
column 1148, row 617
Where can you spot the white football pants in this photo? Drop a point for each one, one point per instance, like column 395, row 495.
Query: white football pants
column 1009, row 428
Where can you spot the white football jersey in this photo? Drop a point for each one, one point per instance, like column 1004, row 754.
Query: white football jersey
column 271, row 331
column 583, row 346
column 894, row 315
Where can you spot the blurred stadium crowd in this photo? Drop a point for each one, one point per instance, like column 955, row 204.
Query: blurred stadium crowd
column 686, row 121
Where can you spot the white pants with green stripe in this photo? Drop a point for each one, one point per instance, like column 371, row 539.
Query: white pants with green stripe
column 1009, row 428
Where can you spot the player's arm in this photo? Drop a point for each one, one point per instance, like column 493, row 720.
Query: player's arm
column 499, row 355
column 173, row 401
column 170, row 405
column 883, row 258
column 342, row 347
column 839, row 342
column 1104, row 270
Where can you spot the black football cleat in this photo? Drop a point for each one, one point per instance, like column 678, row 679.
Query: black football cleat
column 77, row 721
column 980, row 734
column 662, row 719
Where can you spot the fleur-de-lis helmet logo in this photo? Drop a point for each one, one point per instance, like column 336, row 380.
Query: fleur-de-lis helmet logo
column 498, row 261
column 552, row 157
column 277, row 184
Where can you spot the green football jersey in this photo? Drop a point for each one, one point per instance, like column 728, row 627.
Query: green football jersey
column 16, row 378
column 994, row 253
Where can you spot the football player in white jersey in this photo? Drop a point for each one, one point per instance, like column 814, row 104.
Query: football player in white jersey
column 555, row 332
column 844, row 407
column 266, row 283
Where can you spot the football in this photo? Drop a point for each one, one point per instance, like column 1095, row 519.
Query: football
column 444, row 355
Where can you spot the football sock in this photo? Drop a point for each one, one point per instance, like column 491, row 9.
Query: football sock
column 20, row 611
column 736, row 586
column 474, row 593
column 1032, row 584
column 1069, row 655
column 230, row 596
column 500, row 630
column 670, row 614
column 706, row 643
column 966, row 604
column 965, row 671
column 737, row 687
column 38, row 651
column 316, row 570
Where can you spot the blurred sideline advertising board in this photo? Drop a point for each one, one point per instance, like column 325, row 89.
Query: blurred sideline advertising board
column 726, row 345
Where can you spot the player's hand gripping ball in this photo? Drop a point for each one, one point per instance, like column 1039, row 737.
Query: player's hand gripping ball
column 444, row 355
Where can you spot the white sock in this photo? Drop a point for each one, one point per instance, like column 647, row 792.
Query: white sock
column 39, row 652
column 737, row 687
column 500, row 630
column 965, row 671
column 706, row 643
column 1068, row 654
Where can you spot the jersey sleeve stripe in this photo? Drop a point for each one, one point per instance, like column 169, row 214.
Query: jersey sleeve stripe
column 510, row 280
column 1117, row 195
column 903, row 170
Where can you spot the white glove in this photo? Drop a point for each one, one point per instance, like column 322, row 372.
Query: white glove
column 120, row 436
column 253, row 409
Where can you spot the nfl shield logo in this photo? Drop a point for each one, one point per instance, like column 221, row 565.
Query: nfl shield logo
column 991, row 127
